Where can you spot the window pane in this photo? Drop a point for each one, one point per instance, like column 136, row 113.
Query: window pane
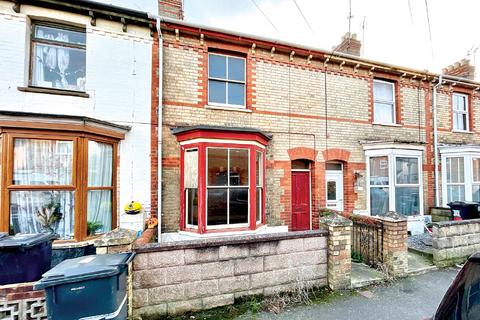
column 331, row 190
column 42, row 162
column 407, row 200
column 455, row 193
column 99, row 211
column 59, row 67
column 379, row 201
column 238, row 205
column 383, row 91
column 379, row 171
column 238, row 167
column 100, row 163
column 58, row 34
column 459, row 102
column 217, row 91
column 407, row 170
column 217, row 167
column 258, row 207
column 190, row 169
column 217, row 66
column 191, row 206
column 40, row 211
column 236, row 69
column 236, row 93
column 217, row 206
column 383, row 112
column 455, row 170
column 476, row 169
column 259, row 173
column 476, row 192
column 334, row 166
column 300, row 164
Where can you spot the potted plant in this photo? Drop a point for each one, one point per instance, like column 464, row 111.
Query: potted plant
column 49, row 216
column 93, row 227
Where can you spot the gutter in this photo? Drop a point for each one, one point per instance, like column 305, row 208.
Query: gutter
column 435, row 140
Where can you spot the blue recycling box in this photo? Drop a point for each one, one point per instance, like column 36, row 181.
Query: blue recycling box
column 90, row 287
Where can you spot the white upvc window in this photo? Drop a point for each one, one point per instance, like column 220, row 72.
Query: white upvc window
column 460, row 112
column 226, row 80
column 384, row 102
column 460, row 174
column 394, row 181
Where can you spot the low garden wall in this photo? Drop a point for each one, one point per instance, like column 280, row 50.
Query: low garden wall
column 20, row 301
column 176, row 277
column 454, row 241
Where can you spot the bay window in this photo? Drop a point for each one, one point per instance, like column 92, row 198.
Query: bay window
column 222, row 179
column 394, row 180
column 460, row 173
column 58, row 182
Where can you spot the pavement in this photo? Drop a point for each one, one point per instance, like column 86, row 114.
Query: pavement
column 414, row 297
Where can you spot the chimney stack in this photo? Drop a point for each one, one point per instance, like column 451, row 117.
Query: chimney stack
column 461, row 69
column 171, row 9
column 349, row 45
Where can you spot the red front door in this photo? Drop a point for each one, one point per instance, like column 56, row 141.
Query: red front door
column 300, row 200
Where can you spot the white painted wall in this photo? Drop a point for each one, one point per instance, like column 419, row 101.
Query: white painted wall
column 118, row 80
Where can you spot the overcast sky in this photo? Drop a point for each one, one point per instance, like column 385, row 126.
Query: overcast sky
column 395, row 31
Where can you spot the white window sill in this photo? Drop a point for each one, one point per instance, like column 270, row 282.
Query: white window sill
column 386, row 124
column 228, row 108
column 462, row 131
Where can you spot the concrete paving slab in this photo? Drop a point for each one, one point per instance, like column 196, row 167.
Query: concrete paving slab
column 363, row 275
column 419, row 263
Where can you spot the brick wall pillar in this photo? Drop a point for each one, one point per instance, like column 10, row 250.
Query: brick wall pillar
column 395, row 248
column 339, row 263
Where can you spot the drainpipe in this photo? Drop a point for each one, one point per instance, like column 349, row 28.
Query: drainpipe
column 159, row 133
column 435, row 140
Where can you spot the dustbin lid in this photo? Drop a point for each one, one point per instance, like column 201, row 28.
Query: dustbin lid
column 83, row 268
column 463, row 203
column 25, row 240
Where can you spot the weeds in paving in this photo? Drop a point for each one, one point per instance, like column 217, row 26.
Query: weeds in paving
column 276, row 303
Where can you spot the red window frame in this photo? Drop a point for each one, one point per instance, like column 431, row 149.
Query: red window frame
column 251, row 141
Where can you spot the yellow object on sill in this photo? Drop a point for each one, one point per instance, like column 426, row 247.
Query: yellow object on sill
column 133, row 207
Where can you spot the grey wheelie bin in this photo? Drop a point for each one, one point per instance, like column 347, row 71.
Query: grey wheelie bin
column 24, row 257
column 91, row 287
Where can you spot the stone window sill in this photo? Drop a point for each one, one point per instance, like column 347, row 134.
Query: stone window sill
column 461, row 131
column 54, row 91
column 225, row 108
column 386, row 124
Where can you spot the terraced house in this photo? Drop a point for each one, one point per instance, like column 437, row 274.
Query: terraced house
column 78, row 110
column 262, row 132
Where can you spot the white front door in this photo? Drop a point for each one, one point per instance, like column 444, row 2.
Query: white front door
column 334, row 189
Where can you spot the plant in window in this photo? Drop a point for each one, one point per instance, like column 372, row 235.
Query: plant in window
column 49, row 216
column 93, row 227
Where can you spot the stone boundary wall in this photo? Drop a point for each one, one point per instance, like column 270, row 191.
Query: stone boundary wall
column 20, row 301
column 455, row 241
column 177, row 277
